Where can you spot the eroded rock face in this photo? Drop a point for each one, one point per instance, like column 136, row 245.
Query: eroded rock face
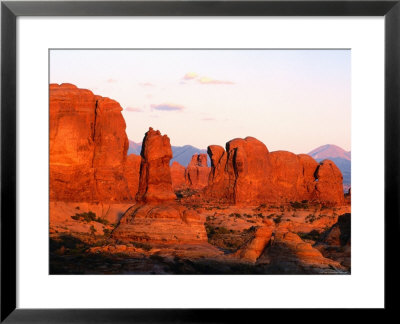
column 329, row 187
column 88, row 147
column 157, row 217
column 155, row 184
column 178, row 176
column 197, row 172
column 247, row 173
column 132, row 173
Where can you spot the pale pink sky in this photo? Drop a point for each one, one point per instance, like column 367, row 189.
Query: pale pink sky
column 293, row 100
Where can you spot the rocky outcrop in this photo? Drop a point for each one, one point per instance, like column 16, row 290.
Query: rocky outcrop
column 335, row 243
column 132, row 173
column 329, row 186
column 167, row 223
column 178, row 176
column 88, row 147
column 155, row 184
column 262, row 236
column 339, row 233
column 247, row 173
column 157, row 217
column 288, row 253
column 197, row 172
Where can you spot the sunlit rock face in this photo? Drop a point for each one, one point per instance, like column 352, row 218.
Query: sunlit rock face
column 157, row 217
column 88, row 147
column 197, row 172
column 247, row 173
column 155, row 184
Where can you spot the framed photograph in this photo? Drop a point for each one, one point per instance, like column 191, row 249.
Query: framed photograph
column 197, row 160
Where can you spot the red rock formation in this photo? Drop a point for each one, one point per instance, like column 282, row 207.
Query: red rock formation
column 288, row 253
column 219, row 187
column 252, row 251
column 246, row 173
column 132, row 172
column 88, row 147
column 329, row 187
column 157, row 218
column 167, row 223
column 197, row 172
column 178, row 176
column 155, row 182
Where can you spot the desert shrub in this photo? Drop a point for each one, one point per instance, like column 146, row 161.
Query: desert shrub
column 92, row 230
column 313, row 235
column 310, row 218
column 156, row 257
column 228, row 239
column 144, row 246
column 299, row 205
column 89, row 217
column 278, row 219
column 222, row 230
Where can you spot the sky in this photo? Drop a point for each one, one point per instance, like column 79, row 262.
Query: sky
column 294, row 100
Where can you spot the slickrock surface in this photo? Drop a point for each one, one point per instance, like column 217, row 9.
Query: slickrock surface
column 88, row 147
column 167, row 223
column 262, row 236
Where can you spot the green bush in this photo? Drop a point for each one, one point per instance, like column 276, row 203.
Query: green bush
column 89, row 217
column 144, row 246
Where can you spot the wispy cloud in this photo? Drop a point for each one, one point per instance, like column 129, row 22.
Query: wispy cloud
column 111, row 80
column 207, row 80
column 133, row 109
column 190, row 76
column 168, row 107
column 208, row 119
column 146, row 84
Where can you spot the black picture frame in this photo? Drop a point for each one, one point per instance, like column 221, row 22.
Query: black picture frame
column 10, row 10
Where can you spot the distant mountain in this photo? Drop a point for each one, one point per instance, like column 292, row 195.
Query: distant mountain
column 340, row 157
column 329, row 151
column 134, row 148
column 181, row 154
